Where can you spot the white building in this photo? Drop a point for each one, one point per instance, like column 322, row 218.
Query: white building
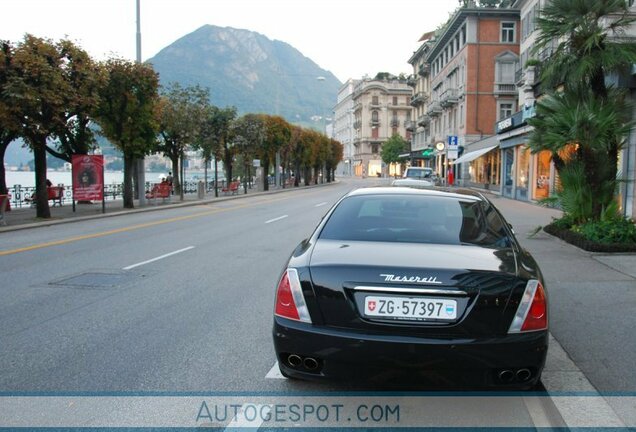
column 343, row 125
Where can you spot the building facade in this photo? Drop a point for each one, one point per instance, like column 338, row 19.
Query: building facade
column 472, row 66
column 381, row 109
column 419, row 124
column 343, row 131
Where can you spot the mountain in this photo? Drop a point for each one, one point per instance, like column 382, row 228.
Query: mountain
column 247, row 70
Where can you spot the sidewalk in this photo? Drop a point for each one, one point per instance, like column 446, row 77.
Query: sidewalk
column 592, row 303
column 24, row 217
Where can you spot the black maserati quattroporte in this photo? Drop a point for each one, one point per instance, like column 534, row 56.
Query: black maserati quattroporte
column 426, row 282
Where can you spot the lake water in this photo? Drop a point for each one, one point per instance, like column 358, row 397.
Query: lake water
column 27, row 178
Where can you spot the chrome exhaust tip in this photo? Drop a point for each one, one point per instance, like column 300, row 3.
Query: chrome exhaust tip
column 310, row 363
column 506, row 375
column 524, row 374
column 294, row 360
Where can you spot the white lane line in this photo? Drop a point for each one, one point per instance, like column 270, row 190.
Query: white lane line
column 276, row 219
column 321, row 204
column 274, row 372
column 249, row 416
column 158, row 258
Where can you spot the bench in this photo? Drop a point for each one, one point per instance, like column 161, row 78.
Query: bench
column 53, row 193
column 160, row 190
column 232, row 188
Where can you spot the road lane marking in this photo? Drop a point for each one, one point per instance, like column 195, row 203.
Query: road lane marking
column 158, row 258
column 249, row 416
column 147, row 224
column 277, row 219
column 274, row 372
column 321, row 204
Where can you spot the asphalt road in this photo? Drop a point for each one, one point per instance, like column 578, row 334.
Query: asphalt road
column 177, row 300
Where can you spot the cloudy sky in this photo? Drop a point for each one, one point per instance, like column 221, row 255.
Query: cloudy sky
column 350, row 38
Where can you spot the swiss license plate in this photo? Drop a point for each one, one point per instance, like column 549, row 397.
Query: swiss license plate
column 411, row 308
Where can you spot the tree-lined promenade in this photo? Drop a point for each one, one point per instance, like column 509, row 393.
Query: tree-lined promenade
column 55, row 97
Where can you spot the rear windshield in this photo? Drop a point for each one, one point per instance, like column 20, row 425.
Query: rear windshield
column 416, row 219
column 418, row 173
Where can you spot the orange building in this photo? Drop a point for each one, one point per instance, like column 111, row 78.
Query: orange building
column 472, row 63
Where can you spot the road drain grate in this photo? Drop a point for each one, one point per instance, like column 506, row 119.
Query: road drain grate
column 96, row 280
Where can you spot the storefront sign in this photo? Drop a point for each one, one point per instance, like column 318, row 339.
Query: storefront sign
column 504, row 124
column 88, row 177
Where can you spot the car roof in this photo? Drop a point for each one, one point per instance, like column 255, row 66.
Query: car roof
column 431, row 191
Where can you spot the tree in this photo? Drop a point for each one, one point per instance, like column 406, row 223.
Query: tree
column 249, row 133
column 335, row 156
column 181, row 114
column 588, row 35
column 127, row 113
column 207, row 143
column 85, row 77
column 8, row 125
column 39, row 94
column 277, row 133
column 221, row 128
column 392, row 149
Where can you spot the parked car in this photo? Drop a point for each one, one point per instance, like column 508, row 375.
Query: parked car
column 423, row 282
column 417, row 177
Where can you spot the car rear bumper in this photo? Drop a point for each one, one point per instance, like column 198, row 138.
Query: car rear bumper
column 351, row 355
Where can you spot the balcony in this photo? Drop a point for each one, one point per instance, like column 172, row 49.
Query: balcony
column 410, row 125
column 507, row 89
column 519, row 75
column 418, row 99
column 395, row 123
column 411, row 81
column 374, row 104
column 357, row 107
column 374, row 122
column 423, row 120
column 448, row 98
column 434, row 109
column 424, row 69
column 356, row 142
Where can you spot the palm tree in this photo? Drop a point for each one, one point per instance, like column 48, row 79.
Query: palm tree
column 580, row 110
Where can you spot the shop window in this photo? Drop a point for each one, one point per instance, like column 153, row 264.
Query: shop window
column 542, row 175
column 523, row 172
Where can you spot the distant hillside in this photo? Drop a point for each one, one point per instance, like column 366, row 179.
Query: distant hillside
column 247, row 70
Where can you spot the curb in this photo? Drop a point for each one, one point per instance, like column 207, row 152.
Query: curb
column 204, row 201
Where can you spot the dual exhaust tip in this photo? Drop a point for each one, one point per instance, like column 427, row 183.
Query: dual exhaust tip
column 296, row 361
column 521, row 375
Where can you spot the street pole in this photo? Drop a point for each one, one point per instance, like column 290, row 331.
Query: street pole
column 141, row 168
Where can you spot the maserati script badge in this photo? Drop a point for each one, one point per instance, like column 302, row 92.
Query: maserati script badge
column 431, row 280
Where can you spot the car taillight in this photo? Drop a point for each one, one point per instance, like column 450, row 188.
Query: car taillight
column 532, row 313
column 290, row 302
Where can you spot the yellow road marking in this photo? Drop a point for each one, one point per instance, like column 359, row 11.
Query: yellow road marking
column 136, row 227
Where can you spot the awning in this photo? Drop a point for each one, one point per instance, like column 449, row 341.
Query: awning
column 473, row 155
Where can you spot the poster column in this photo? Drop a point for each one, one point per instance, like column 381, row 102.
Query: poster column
column 88, row 178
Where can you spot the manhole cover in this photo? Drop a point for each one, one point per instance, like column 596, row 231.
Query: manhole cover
column 95, row 280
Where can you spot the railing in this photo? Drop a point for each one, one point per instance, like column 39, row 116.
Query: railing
column 423, row 120
column 449, row 97
column 409, row 125
column 21, row 195
column 434, row 109
column 395, row 123
column 423, row 69
column 505, row 88
column 518, row 76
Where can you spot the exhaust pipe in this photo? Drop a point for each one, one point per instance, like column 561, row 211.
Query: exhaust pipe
column 506, row 375
column 310, row 363
column 524, row 374
column 294, row 360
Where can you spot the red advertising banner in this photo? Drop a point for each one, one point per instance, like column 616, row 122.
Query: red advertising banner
column 88, row 177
